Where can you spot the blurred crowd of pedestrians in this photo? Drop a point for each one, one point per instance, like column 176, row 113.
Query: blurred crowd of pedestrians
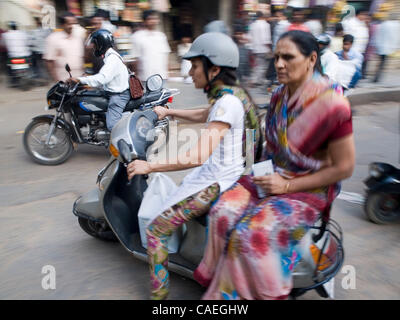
column 144, row 48
column 347, row 46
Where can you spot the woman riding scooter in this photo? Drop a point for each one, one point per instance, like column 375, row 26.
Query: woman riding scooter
column 214, row 57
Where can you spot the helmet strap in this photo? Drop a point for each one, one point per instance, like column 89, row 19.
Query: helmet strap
column 209, row 85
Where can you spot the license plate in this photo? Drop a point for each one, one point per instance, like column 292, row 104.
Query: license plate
column 19, row 66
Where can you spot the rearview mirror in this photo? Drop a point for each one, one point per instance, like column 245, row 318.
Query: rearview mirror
column 125, row 151
column 154, row 83
column 68, row 70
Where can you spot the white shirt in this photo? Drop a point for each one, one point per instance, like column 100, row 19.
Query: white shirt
column 226, row 163
column 387, row 39
column 330, row 64
column 38, row 39
column 113, row 76
column 315, row 27
column 260, row 35
column 151, row 48
column 359, row 30
column 281, row 27
column 63, row 48
column 108, row 26
column 340, row 71
column 16, row 42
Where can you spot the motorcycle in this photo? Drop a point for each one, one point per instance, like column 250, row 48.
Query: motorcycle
column 110, row 212
column 20, row 72
column 382, row 203
column 81, row 119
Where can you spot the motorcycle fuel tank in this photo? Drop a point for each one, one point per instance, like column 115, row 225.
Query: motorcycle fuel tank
column 90, row 101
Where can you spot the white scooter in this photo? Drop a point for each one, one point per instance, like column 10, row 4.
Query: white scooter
column 110, row 212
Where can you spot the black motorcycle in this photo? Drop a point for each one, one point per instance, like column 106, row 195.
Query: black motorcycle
column 81, row 119
column 382, row 203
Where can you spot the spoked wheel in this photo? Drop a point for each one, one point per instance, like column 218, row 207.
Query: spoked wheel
column 57, row 151
column 98, row 230
column 383, row 208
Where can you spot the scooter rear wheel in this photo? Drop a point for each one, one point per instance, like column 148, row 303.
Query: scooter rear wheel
column 98, row 230
column 382, row 208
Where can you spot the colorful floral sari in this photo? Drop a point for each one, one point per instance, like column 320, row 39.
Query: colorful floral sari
column 253, row 244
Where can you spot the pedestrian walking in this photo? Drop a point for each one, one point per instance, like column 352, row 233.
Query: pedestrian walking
column 239, row 36
column 314, row 24
column 297, row 20
column 64, row 47
column 95, row 63
column 387, row 41
column 261, row 46
column 150, row 48
column 37, row 44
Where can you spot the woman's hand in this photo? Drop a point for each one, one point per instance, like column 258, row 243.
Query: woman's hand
column 138, row 167
column 162, row 112
column 272, row 184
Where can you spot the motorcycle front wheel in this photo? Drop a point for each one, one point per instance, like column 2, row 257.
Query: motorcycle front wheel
column 382, row 208
column 56, row 152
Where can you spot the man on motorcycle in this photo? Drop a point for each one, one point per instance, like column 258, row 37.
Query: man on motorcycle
column 16, row 43
column 113, row 76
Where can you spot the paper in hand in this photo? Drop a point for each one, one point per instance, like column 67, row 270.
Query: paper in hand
column 263, row 168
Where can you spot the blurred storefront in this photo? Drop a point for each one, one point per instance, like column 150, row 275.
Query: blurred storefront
column 23, row 12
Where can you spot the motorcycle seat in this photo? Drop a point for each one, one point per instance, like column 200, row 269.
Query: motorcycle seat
column 146, row 98
column 134, row 104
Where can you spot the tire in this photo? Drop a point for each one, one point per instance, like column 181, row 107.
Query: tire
column 97, row 230
column 60, row 137
column 378, row 211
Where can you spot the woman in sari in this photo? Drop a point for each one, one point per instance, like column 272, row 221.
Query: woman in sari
column 252, row 244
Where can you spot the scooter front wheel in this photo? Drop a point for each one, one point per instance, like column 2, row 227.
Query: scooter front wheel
column 98, row 230
column 382, row 208
column 58, row 149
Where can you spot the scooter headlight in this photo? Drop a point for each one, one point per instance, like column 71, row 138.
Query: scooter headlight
column 143, row 125
column 375, row 171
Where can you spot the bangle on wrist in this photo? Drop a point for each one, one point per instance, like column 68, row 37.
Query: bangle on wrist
column 287, row 187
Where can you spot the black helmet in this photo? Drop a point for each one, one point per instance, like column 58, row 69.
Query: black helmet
column 102, row 40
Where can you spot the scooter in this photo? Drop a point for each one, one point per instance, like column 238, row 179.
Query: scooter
column 20, row 72
column 382, row 204
column 110, row 212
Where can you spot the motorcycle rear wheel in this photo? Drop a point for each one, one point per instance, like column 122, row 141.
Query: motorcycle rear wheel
column 382, row 208
column 59, row 149
column 97, row 230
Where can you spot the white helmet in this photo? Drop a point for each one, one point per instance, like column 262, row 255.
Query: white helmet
column 219, row 48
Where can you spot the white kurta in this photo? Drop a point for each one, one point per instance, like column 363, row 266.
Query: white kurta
column 151, row 48
column 226, row 164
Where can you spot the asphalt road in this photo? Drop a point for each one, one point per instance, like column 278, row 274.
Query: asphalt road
column 38, row 228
